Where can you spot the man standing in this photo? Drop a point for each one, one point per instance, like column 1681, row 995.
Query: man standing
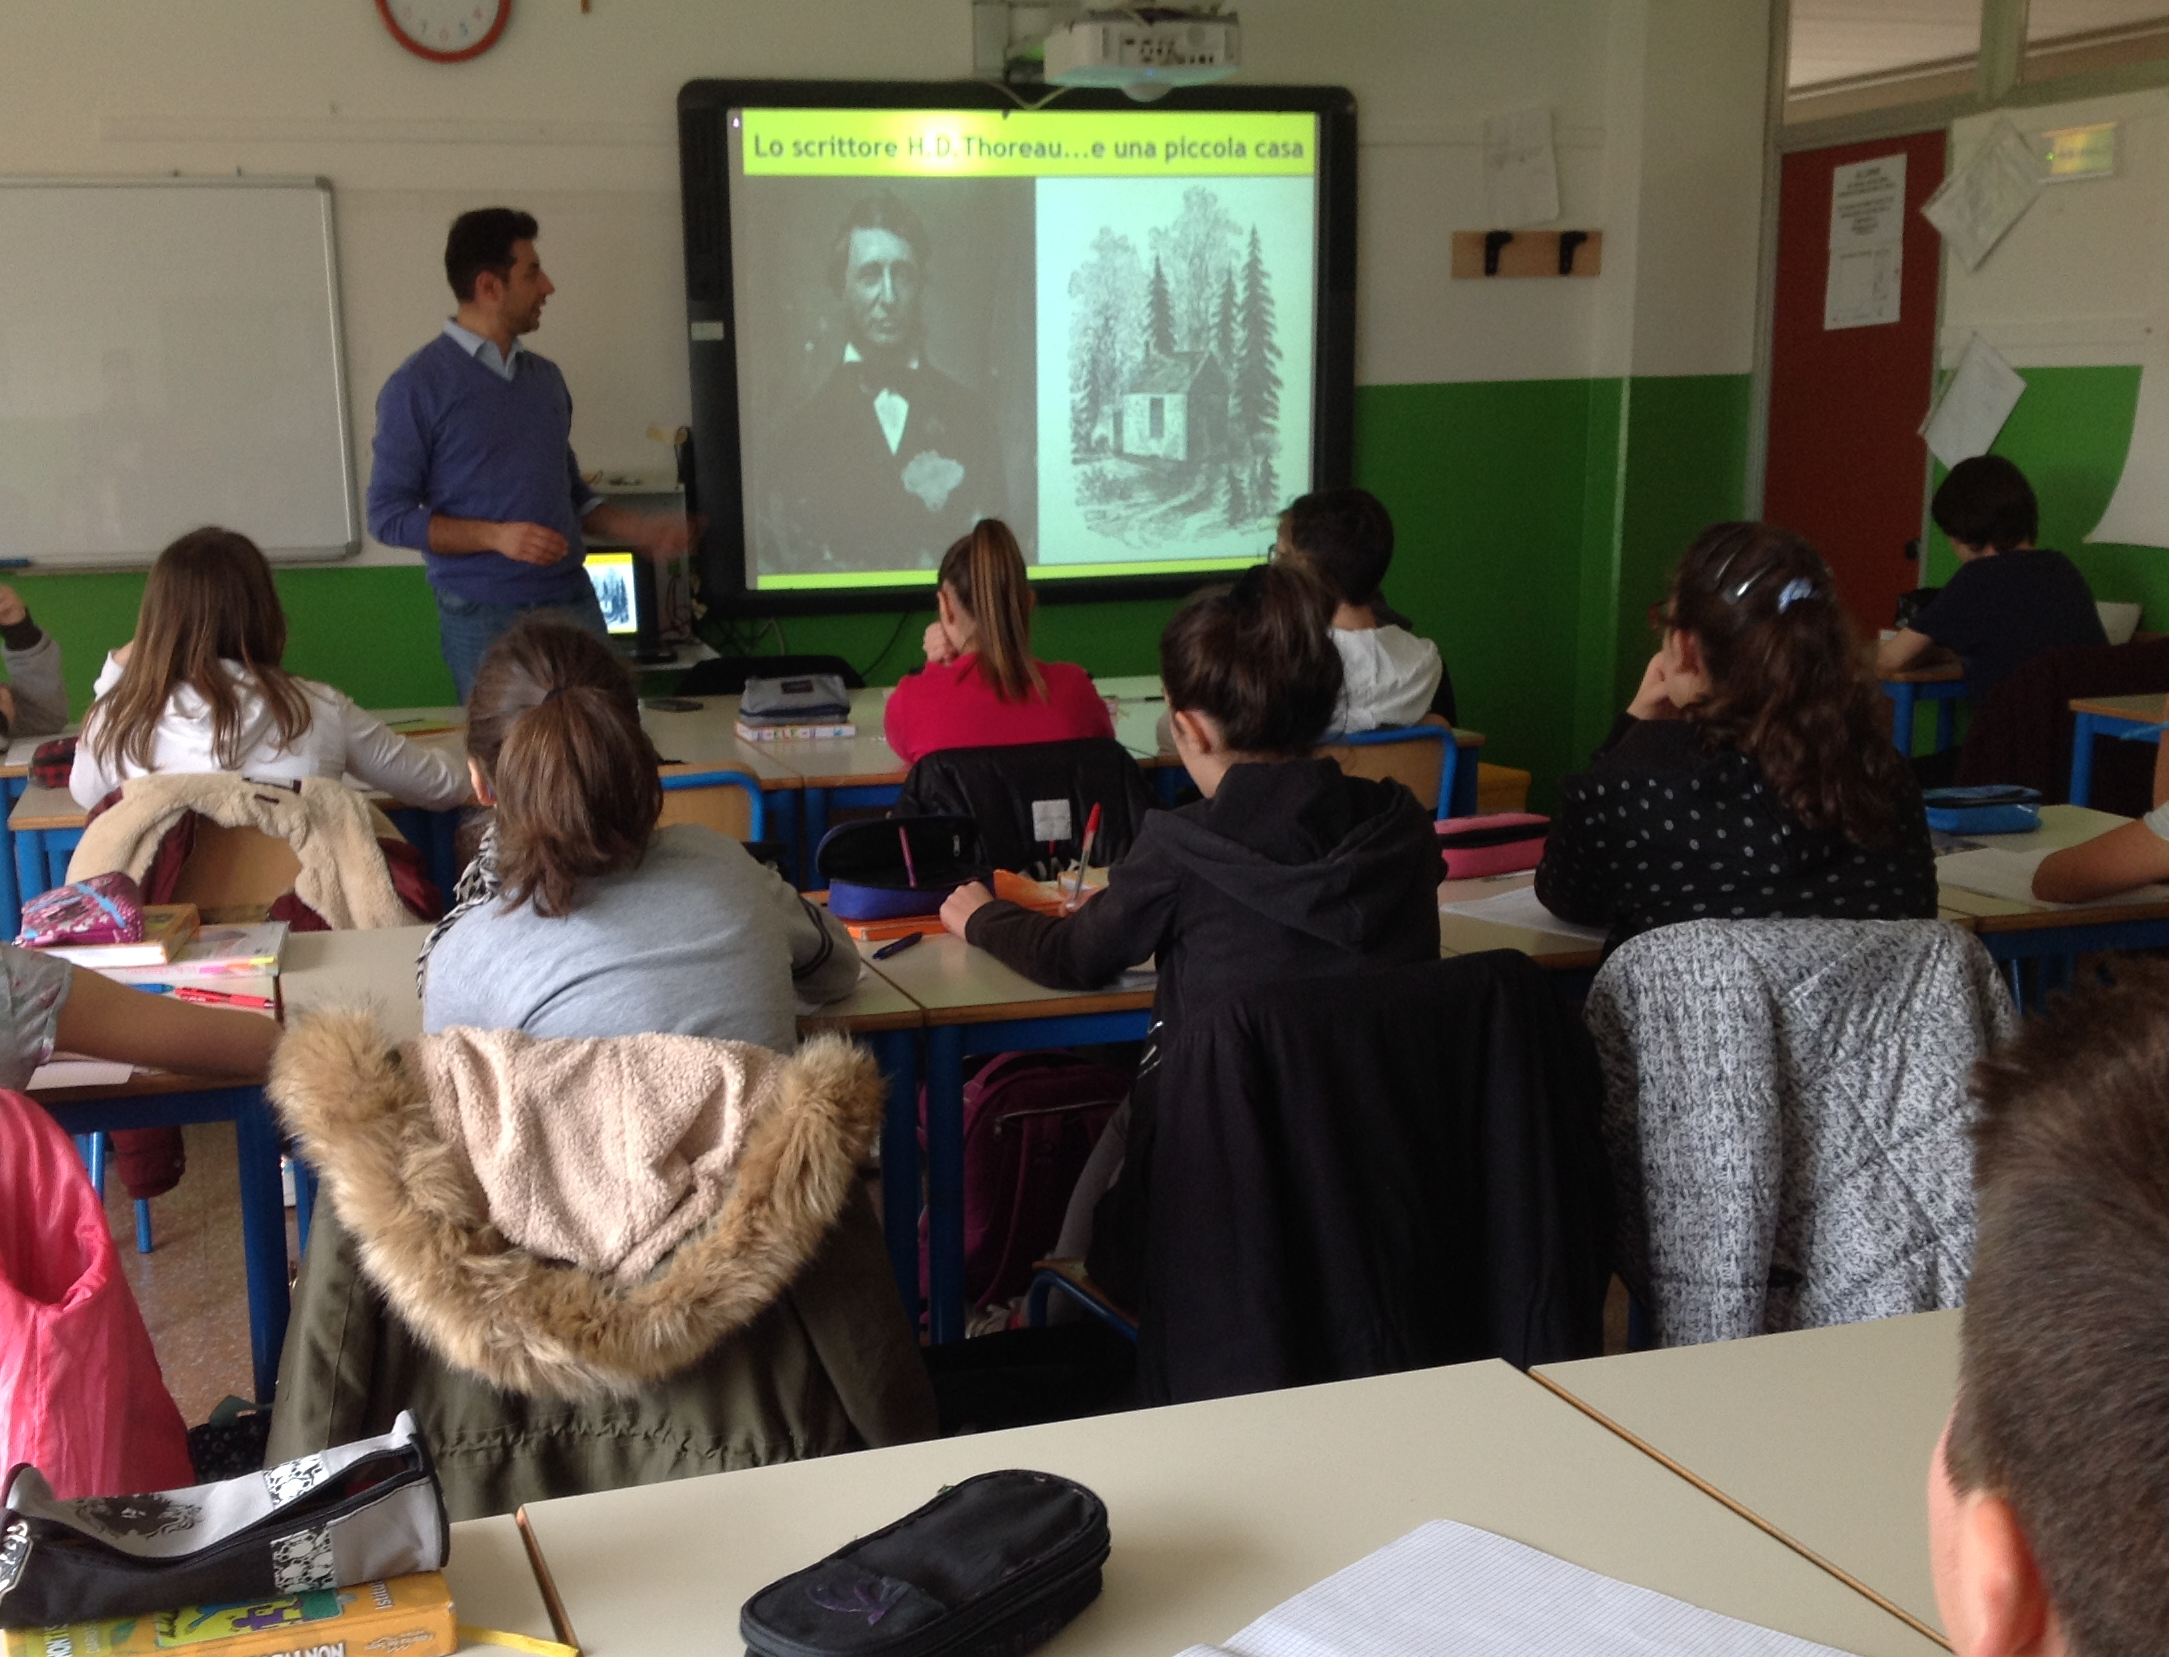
column 474, row 466
column 891, row 460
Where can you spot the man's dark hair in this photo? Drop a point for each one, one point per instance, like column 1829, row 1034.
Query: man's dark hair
column 879, row 212
column 1346, row 535
column 2061, row 1409
column 482, row 240
column 1259, row 657
column 1986, row 502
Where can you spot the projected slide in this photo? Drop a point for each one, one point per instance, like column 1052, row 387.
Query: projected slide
column 1098, row 326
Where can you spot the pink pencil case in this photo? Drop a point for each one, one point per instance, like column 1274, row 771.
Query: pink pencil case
column 1496, row 843
column 105, row 909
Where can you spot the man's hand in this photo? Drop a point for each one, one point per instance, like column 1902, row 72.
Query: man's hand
column 12, row 607
column 656, row 536
column 962, row 904
column 940, row 648
column 529, row 543
column 1651, row 701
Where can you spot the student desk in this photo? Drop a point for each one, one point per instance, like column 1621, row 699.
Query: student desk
column 156, row 1099
column 2135, row 718
column 1822, row 1438
column 1473, row 934
column 14, row 778
column 1944, row 684
column 973, row 1004
column 493, row 1585
column 1219, row 1511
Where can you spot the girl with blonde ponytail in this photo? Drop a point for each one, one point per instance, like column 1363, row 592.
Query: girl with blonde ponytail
column 1753, row 775
column 981, row 686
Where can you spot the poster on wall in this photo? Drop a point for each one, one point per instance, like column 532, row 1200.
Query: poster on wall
column 1867, row 243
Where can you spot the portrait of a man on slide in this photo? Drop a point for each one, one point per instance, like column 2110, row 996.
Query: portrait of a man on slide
column 891, row 459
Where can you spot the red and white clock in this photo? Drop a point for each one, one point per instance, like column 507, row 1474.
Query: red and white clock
column 445, row 31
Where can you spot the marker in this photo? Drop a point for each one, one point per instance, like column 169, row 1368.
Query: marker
column 222, row 998
column 898, row 947
column 1084, row 850
column 911, row 873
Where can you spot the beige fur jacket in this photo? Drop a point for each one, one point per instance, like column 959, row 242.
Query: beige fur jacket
column 567, row 1219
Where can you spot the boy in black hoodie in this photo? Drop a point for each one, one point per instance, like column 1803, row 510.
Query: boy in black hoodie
column 1287, row 868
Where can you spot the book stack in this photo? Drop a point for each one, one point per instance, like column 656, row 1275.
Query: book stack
column 408, row 1615
column 795, row 727
column 222, row 966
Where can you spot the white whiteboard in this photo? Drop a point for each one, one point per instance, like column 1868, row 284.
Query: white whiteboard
column 170, row 357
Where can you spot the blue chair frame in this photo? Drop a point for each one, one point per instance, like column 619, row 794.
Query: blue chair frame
column 1443, row 735
column 757, row 819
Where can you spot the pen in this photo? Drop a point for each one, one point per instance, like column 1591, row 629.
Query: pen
column 1084, row 850
column 911, row 874
column 222, row 998
column 898, row 947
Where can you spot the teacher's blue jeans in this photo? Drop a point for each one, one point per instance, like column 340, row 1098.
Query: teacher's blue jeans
column 466, row 629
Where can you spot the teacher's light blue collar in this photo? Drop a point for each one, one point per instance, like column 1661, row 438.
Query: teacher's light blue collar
column 503, row 364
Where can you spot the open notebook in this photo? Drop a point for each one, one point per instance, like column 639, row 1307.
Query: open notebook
column 1452, row 1588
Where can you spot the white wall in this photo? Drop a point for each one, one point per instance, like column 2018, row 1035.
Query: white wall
column 571, row 116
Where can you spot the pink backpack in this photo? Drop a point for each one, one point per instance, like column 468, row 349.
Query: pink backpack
column 1030, row 1121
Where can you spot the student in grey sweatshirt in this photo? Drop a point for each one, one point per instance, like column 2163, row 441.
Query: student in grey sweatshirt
column 580, row 917
column 33, row 702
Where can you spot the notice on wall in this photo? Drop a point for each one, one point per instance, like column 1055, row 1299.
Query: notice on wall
column 1521, row 169
column 1867, row 243
column 1989, row 194
column 1975, row 402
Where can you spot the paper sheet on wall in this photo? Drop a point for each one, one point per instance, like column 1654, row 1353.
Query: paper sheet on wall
column 1975, row 402
column 1452, row 1588
column 1867, row 243
column 2138, row 512
column 1521, row 170
column 1989, row 194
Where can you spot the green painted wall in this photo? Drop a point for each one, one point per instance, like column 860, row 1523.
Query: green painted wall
column 1536, row 521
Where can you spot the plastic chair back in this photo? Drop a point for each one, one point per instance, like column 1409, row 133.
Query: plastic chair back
column 1422, row 757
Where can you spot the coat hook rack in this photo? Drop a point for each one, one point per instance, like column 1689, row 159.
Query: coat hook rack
column 1486, row 253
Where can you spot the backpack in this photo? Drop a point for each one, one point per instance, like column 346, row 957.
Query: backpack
column 1030, row 1121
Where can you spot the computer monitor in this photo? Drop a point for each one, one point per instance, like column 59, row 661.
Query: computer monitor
column 625, row 588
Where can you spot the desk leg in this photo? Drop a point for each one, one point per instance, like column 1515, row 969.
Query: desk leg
column 11, row 900
column 1901, row 715
column 945, row 1182
column 263, row 1235
column 1946, row 722
column 60, row 847
column 898, row 1053
column 815, row 806
column 2084, row 729
column 29, row 865
column 781, row 806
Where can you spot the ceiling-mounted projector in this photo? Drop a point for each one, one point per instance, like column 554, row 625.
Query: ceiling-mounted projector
column 1145, row 51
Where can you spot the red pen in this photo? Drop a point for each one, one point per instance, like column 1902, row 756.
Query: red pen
column 1084, row 850
column 911, row 874
column 223, row 998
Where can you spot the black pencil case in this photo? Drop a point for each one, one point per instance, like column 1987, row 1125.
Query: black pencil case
column 991, row 1567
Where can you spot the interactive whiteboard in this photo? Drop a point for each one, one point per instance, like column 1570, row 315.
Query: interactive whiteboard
column 170, row 357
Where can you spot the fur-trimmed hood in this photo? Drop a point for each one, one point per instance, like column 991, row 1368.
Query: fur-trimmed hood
column 761, row 1179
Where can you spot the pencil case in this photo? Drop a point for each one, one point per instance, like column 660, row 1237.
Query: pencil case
column 885, row 868
column 104, row 909
column 356, row 1513
column 1496, row 843
column 1987, row 808
column 998, row 1564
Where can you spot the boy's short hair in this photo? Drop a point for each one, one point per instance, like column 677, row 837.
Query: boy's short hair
column 1258, row 656
column 2063, row 1409
column 1346, row 535
column 482, row 240
column 1986, row 502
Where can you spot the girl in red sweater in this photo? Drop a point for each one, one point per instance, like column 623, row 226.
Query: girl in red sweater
column 981, row 686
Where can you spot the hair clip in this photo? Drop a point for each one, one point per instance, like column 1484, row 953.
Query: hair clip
column 1796, row 589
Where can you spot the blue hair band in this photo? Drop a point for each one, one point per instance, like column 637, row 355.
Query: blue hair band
column 1796, row 589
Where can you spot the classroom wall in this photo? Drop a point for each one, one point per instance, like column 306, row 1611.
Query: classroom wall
column 1546, row 446
column 2076, row 297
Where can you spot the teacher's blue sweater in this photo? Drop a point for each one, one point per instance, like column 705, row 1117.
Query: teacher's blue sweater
column 455, row 437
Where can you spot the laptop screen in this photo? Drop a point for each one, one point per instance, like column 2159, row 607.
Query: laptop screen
column 616, row 590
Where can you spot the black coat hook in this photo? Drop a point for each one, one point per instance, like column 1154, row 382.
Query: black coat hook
column 1493, row 241
column 1569, row 240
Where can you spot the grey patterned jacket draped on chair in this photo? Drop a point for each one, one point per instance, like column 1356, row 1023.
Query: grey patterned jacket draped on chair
column 1786, row 1110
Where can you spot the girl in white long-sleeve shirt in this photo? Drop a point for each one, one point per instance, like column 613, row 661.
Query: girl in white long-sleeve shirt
column 200, row 688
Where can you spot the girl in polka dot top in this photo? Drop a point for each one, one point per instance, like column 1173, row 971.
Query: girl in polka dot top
column 1751, row 777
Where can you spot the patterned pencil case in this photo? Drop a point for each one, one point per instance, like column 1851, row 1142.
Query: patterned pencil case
column 357, row 1513
column 105, row 909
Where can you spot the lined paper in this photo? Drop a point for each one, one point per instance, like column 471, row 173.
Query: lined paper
column 1520, row 907
column 1997, row 873
column 1448, row 1587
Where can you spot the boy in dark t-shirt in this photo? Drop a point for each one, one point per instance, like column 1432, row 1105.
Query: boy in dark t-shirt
column 2010, row 600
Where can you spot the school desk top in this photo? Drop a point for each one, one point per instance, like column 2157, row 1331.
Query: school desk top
column 1825, row 1436
column 1219, row 1511
column 2061, row 825
column 492, row 1584
column 2147, row 707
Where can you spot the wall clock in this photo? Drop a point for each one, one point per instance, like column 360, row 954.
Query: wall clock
column 445, row 31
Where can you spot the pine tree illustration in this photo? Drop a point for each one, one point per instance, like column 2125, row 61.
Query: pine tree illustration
column 1238, row 502
column 1160, row 310
column 1224, row 320
column 1257, row 381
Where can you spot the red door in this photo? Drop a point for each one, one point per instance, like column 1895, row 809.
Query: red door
column 1846, row 461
